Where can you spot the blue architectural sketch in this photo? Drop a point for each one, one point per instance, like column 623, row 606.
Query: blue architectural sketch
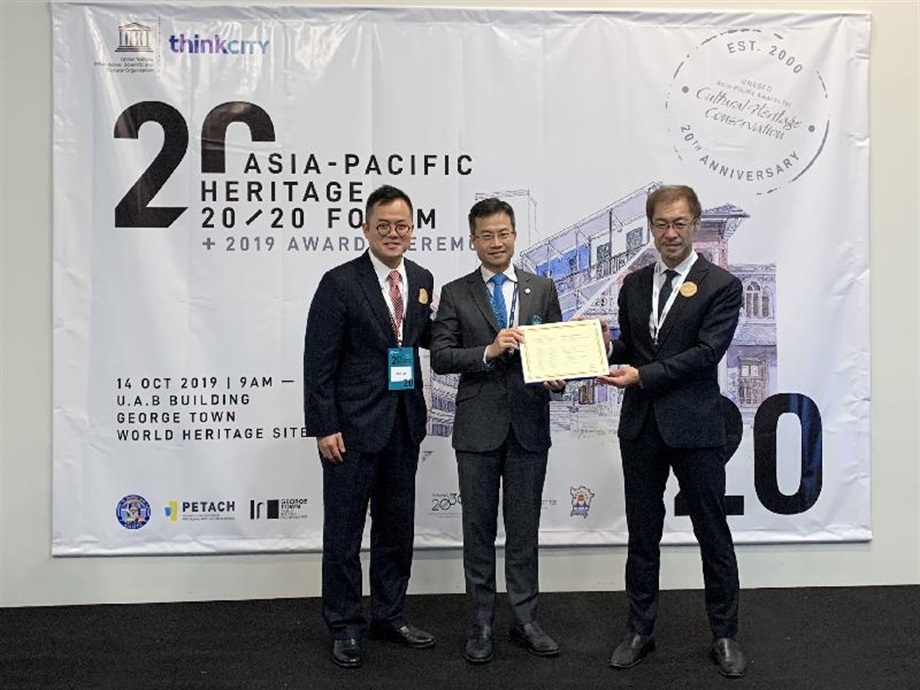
column 588, row 262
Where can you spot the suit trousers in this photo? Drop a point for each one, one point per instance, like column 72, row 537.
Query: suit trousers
column 700, row 473
column 386, row 479
column 520, row 474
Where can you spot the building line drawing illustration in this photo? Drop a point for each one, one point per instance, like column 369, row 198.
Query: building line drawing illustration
column 589, row 260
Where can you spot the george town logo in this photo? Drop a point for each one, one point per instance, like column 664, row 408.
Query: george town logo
column 581, row 501
column 748, row 107
column 279, row 509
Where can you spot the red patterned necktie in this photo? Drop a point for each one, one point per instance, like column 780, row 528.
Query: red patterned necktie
column 396, row 300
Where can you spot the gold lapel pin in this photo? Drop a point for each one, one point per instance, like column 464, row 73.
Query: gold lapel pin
column 688, row 289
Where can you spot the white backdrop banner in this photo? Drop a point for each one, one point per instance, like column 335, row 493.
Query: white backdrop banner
column 211, row 162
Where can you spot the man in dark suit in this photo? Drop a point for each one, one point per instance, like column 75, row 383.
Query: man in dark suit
column 671, row 418
column 363, row 402
column 501, row 426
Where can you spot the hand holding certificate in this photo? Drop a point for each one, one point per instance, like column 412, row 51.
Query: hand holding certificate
column 566, row 350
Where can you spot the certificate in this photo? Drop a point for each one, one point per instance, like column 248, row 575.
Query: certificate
column 566, row 350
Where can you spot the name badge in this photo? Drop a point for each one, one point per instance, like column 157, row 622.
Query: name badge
column 401, row 368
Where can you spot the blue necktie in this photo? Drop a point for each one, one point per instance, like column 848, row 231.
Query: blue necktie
column 498, row 299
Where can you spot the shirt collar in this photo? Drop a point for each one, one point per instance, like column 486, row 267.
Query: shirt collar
column 383, row 271
column 487, row 274
column 683, row 268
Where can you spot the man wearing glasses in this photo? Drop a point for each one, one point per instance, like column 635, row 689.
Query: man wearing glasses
column 363, row 402
column 677, row 317
column 501, row 426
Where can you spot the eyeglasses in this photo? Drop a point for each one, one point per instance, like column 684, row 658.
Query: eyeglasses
column 383, row 228
column 487, row 237
column 678, row 224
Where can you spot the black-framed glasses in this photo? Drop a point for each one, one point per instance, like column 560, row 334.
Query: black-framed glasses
column 677, row 224
column 504, row 236
column 384, row 227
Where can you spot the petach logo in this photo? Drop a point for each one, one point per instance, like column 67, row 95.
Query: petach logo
column 172, row 511
column 194, row 44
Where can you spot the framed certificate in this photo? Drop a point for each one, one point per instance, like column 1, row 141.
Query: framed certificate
column 566, row 350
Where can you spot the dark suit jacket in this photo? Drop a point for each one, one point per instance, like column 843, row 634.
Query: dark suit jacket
column 491, row 399
column 346, row 387
column 679, row 377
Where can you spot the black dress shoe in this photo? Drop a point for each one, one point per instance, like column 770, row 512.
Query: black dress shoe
column 346, row 653
column 406, row 635
column 729, row 657
column 480, row 646
column 531, row 636
column 631, row 650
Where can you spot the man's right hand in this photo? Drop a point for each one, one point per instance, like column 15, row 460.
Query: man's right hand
column 331, row 448
column 507, row 340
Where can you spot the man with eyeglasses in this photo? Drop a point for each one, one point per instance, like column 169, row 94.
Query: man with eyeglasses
column 363, row 402
column 677, row 317
column 501, row 426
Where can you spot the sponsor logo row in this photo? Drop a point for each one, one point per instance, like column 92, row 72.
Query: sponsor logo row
column 134, row 511
column 450, row 503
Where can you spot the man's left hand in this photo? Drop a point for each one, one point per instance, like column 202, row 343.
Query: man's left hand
column 554, row 385
column 624, row 377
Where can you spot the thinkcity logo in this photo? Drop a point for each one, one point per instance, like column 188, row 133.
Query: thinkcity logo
column 581, row 501
column 194, row 44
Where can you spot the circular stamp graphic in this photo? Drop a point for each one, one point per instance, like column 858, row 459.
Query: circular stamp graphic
column 133, row 511
column 745, row 106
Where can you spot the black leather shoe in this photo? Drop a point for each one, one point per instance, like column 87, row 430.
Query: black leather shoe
column 531, row 636
column 406, row 635
column 729, row 657
column 346, row 653
column 480, row 646
column 631, row 650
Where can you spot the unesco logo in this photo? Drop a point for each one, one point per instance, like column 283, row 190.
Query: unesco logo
column 133, row 511
column 134, row 38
